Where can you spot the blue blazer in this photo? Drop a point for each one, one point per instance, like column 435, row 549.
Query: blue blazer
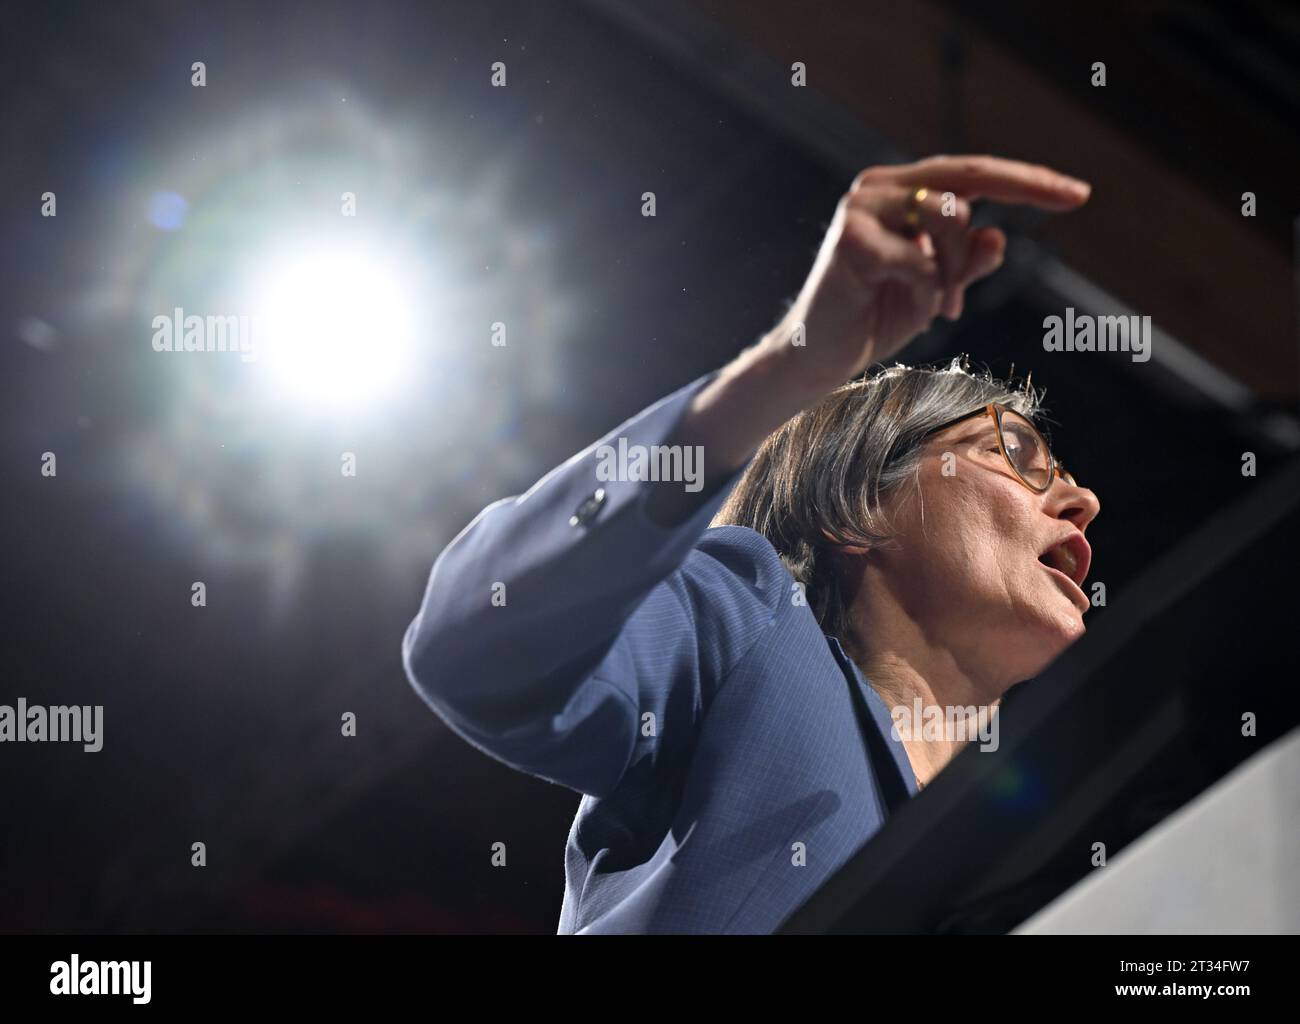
column 731, row 756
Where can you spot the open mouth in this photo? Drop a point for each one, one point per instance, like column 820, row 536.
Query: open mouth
column 1070, row 557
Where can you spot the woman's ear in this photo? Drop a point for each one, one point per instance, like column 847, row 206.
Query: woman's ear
column 839, row 545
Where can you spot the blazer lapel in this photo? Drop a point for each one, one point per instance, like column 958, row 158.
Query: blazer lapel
column 887, row 753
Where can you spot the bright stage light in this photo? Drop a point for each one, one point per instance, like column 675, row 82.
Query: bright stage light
column 335, row 327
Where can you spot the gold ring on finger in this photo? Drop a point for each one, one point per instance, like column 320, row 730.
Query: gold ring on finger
column 913, row 215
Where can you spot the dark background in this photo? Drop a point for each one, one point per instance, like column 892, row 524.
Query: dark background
column 222, row 723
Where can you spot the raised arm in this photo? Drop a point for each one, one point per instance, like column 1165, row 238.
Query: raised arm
column 556, row 621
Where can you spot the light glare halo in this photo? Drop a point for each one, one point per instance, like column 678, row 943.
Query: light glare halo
column 334, row 328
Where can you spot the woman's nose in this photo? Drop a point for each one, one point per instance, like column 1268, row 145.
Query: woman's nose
column 1077, row 504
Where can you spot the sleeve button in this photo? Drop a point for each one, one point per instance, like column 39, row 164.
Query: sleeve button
column 587, row 511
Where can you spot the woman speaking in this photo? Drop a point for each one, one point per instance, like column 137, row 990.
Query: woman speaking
column 721, row 667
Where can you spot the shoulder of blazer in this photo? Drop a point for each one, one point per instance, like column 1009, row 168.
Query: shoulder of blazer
column 747, row 556
column 736, row 588
column 747, row 553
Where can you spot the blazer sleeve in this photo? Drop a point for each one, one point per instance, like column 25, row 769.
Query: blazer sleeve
column 558, row 620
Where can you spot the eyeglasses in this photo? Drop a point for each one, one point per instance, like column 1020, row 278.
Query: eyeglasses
column 1021, row 444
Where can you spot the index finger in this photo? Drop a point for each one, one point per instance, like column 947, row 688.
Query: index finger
column 991, row 177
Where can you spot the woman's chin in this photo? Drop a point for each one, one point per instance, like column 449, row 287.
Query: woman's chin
column 1052, row 637
column 1069, row 628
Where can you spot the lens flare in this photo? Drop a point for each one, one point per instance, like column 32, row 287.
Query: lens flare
column 334, row 328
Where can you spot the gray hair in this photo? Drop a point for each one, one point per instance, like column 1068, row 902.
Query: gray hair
column 831, row 468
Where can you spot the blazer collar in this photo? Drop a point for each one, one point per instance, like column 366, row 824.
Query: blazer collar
column 887, row 752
